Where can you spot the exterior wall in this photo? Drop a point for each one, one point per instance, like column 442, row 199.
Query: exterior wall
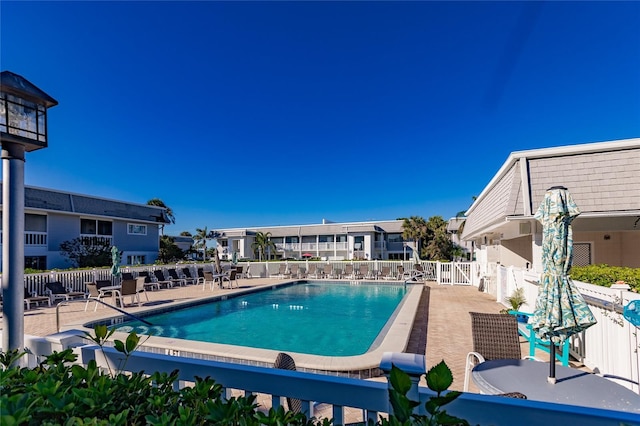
column 621, row 249
column 516, row 252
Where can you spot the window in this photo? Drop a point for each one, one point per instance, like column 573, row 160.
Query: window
column 134, row 229
column 136, row 259
column 326, row 238
column 95, row 227
column 292, row 240
column 35, row 222
column 394, row 238
column 35, row 262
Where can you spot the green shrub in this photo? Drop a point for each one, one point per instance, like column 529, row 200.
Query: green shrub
column 60, row 392
column 605, row 275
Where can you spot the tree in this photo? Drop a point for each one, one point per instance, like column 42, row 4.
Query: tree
column 169, row 251
column 84, row 252
column 414, row 228
column 439, row 245
column 200, row 241
column 168, row 212
column 261, row 243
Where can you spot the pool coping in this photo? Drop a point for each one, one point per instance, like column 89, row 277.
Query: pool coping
column 365, row 365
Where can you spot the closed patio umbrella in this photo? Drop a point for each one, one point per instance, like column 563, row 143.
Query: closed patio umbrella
column 115, row 261
column 560, row 308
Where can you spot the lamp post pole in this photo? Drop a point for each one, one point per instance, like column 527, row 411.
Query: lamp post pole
column 23, row 128
column 13, row 245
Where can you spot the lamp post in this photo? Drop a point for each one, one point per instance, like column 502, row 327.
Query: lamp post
column 23, row 128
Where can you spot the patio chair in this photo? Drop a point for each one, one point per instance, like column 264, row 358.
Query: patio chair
column 57, row 291
column 30, row 298
column 231, row 277
column 240, row 272
column 285, row 362
column 526, row 330
column 349, row 273
column 129, row 288
column 141, row 288
column 400, row 273
column 363, row 272
column 294, row 271
column 326, row 271
column 495, row 336
column 210, row 278
column 95, row 294
column 127, row 276
column 160, row 279
column 312, row 272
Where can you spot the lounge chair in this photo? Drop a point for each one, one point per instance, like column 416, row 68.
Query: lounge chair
column 400, row 273
column 175, row 278
column 30, row 298
column 57, row 291
column 285, row 362
column 495, row 336
column 363, row 272
column 148, row 282
column 385, row 273
column 294, row 271
column 312, row 272
column 326, row 271
column 282, row 272
column 161, row 280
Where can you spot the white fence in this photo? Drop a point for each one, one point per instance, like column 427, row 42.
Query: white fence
column 339, row 392
column 610, row 347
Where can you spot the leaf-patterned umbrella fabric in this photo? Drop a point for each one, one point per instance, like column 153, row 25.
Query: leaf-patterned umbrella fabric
column 560, row 308
column 115, row 261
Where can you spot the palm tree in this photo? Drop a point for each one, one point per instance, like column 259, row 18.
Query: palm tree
column 200, row 241
column 262, row 243
column 414, row 228
column 167, row 211
column 439, row 245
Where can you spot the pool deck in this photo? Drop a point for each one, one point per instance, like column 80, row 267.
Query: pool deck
column 447, row 321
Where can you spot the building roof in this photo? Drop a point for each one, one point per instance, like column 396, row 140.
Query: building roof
column 66, row 202
column 390, row 226
column 602, row 178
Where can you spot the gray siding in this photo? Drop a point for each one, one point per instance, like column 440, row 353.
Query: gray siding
column 494, row 206
column 599, row 182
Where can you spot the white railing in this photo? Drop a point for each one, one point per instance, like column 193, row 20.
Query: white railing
column 610, row 347
column 339, row 392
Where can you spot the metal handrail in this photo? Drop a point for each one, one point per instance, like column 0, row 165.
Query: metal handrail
column 66, row 303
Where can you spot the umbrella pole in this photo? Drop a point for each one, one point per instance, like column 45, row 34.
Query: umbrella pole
column 552, row 363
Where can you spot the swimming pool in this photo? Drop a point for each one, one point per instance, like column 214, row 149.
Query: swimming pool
column 393, row 337
column 319, row 318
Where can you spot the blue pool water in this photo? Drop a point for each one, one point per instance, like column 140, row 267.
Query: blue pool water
column 326, row 318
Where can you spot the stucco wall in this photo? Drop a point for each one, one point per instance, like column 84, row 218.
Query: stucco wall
column 620, row 249
column 516, row 252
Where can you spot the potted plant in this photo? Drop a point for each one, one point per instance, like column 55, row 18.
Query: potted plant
column 516, row 300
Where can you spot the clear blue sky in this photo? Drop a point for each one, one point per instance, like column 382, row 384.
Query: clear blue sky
column 240, row 114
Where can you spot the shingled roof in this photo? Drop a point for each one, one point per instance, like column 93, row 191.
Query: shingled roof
column 602, row 177
column 51, row 200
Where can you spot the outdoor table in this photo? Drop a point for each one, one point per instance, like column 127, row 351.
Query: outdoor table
column 573, row 387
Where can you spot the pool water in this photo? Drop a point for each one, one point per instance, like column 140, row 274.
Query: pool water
column 327, row 318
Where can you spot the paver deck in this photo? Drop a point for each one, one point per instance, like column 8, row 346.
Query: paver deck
column 442, row 329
